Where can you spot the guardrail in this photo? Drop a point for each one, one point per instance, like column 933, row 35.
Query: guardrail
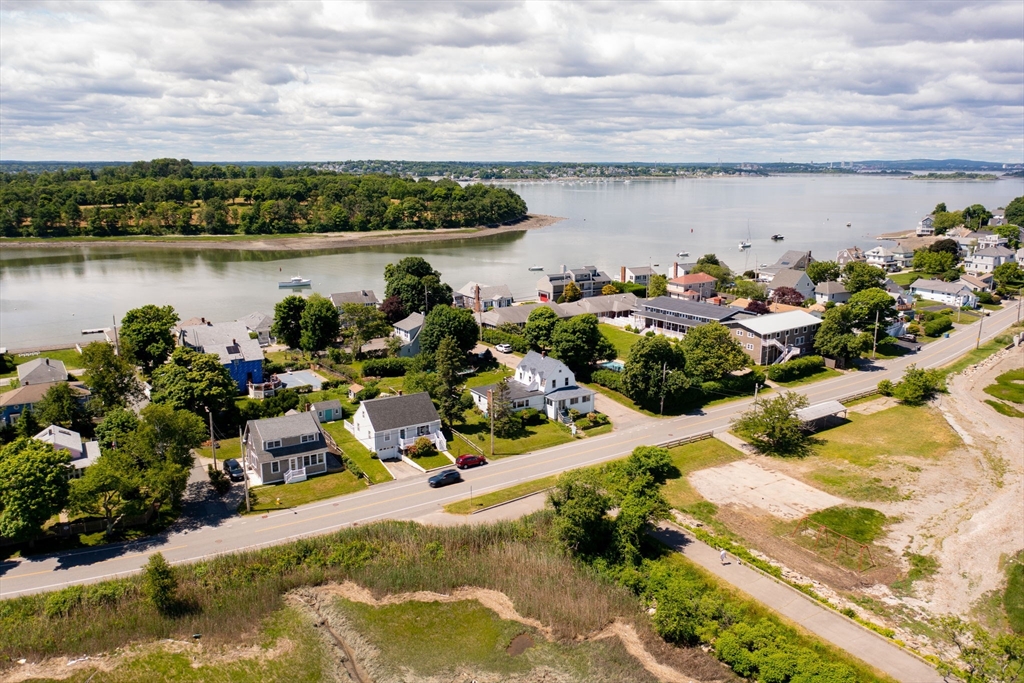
column 859, row 394
column 469, row 443
column 686, row 440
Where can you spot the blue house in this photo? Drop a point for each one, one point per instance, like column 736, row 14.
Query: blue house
column 240, row 354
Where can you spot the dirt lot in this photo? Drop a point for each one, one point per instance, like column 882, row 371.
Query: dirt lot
column 747, row 484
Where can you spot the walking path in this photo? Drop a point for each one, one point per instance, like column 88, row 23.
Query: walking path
column 825, row 623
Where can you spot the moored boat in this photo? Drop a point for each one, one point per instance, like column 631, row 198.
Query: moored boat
column 744, row 244
column 778, row 238
column 536, row 267
column 295, row 282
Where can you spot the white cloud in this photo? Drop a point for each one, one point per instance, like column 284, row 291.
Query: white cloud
column 498, row 80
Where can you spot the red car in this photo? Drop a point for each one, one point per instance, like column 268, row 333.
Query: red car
column 464, row 461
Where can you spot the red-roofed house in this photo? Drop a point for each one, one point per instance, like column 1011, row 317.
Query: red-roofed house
column 700, row 285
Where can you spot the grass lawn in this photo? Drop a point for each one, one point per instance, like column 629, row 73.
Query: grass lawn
column 906, row 279
column 621, row 399
column 900, row 430
column 358, row 452
column 888, row 351
column 1009, row 386
column 433, row 462
column 976, row 355
column 1003, row 409
column 226, row 448
column 863, row 525
column 70, row 357
column 492, row 376
column 315, row 488
column 689, row 458
column 622, row 340
column 478, row 430
column 1013, row 598
column 464, row 507
column 421, row 637
column 823, row 373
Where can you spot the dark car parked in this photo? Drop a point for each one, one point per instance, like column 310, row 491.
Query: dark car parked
column 444, row 478
column 464, row 461
column 233, row 470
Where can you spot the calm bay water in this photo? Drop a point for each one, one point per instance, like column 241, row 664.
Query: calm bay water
column 47, row 296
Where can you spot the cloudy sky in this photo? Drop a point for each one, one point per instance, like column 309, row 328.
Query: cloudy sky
column 612, row 81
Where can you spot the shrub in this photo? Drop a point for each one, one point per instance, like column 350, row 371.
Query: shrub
column 795, row 369
column 422, row 448
column 61, row 603
column 938, row 325
column 532, row 416
column 385, row 367
column 367, row 392
column 221, row 484
column 916, row 387
column 628, row 328
column 914, row 328
column 518, row 342
column 159, row 583
column 607, row 378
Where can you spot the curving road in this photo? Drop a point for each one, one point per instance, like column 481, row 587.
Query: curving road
column 411, row 498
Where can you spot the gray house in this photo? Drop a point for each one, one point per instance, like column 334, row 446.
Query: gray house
column 284, row 449
column 408, row 330
column 42, row 371
column 259, row 324
column 831, row 291
column 363, row 297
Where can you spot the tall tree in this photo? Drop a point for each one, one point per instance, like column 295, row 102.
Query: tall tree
column 572, row 292
column 976, row 216
column 446, row 321
column 866, row 304
column 59, row 406
column 287, row 325
column 393, row 308
column 170, row 435
column 507, row 423
column 580, row 521
column 145, row 335
column 579, row 344
column 360, row 324
column 1008, row 275
column 539, row 327
column 110, row 377
column 1010, row 232
column 417, row 284
column 1014, row 213
column 26, row 425
column 449, row 359
column 837, row 337
column 194, row 381
column 858, row 276
column 823, row 271
column 33, row 487
column 640, row 509
column 116, row 425
column 933, row 262
column 320, row 324
column 110, row 488
column 711, row 353
column 657, row 285
column 653, row 372
column 772, row 427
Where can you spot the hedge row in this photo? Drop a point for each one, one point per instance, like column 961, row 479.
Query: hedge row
column 794, row 369
column 610, row 379
column 936, row 326
column 517, row 342
column 385, row 367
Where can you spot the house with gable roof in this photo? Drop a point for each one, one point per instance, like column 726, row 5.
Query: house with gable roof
column 987, row 259
column 363, row 297
column 388, row 426
column 284, row 449
column 957, row 294
column 794, row 279
column 474, row 294
column 589, row 279
column 408, row 331
column 42, row 371
column 82, row 454
column 695, row 286
column 259, row 324
column 230, row 342
column 543, row 383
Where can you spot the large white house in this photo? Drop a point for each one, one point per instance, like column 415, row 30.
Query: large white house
column 387, row 426
column 474, row 294
column 987, row 259
column 82, row 454
column 542, row 383
column 957, row 294
column 889, row 260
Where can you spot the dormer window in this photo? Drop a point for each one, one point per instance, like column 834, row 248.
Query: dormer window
column 307, row 438
column 267, row 445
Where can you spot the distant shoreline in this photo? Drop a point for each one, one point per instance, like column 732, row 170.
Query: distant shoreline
column 293, row 242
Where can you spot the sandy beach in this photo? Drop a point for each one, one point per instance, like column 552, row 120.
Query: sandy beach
column 333, row 241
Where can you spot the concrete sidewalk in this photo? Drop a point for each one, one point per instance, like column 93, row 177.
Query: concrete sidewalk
column 823, row 622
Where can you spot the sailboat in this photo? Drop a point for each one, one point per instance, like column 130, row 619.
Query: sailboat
column 745, row 244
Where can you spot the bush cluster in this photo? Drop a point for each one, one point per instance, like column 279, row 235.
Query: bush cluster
column 938, row 325
column 794, row 369
column 609, row 379
column 385, row 367
column 518, row 342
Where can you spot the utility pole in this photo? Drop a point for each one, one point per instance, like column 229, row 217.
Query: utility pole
column 874, row 342
column 490, row 414
column 213, row 444
column 664, row 372
column 978, row 342
column 117, row 343
column 757, row 385
column 245, row 468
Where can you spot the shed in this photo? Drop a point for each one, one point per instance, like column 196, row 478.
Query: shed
column 821, row 415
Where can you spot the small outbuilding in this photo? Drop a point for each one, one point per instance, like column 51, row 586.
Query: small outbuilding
column 822, row 415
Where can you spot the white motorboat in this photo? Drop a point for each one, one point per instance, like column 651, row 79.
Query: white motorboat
column 295, row 283
column 744, row 244
column 683, row 253
column 536, row 267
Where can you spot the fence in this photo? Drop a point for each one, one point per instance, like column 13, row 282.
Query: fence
column 469, row 443
column 859, row 394
column 827, row 537
column 686, row 440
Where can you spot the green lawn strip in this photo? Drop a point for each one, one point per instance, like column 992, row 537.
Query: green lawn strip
column 535, row 437
column 823, row 373
column 598, row 431
column 621, row 399
column 465, row 507
column 906, row 279
column 1013, row 597
column 622, row 340
column 853, row 482
column 689, row 458
column 1009, row 386
column 899, row 431
column 861, row 524
column 1004, row 409
column 433, row 462
column 358, row 452
column 888, row 351
column 492, row 376
column 226, row 448
column 972, row 357
column 280, row 496
column 70, row 357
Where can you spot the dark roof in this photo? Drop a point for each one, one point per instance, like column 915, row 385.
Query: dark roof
column 413, row 322
column 32, row 393
column 830, row 287
column 787, row 277
column 516, row 390
column 395, row 412
column 286, row 426
column 42, row 371
column 366, row 297
column 697, row 309
column 323, row 405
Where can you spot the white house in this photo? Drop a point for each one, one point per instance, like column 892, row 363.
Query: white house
column 795, row 279
column 543, row 383
column 987, row 259
column 889, row 260
column 831, row 291
column 850, row 255
column 956, row 294
column 387, row 426
column 977, row 283
column 640, row 275
column 499, row 296
column 408, row 330
column 82, row 454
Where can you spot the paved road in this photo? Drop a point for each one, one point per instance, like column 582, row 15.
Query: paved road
column 411, row 499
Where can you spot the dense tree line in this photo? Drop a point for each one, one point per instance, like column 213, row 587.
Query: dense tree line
column 171, row 196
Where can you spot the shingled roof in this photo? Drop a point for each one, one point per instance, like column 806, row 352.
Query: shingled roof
column 395, row 412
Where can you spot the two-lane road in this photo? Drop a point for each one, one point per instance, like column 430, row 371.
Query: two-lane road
column 411, row 498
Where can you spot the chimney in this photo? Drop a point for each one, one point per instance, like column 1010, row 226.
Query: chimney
column 675, row 269
column 563, row 268
column 622, row 274
column 47, row 360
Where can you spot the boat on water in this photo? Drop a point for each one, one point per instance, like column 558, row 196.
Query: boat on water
column 744, row 244
column 683, row 253
column 849, row 224
column 778, row 238
column 295, row 283
column 536, row 267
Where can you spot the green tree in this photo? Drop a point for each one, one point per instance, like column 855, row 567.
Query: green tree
column 449, row 359
column 653, row 372
column 772, row 427
column 59, row 406
column 944, row 222
column 657, row 285
column 417, row 284
column 1008, row 275
column 579, row 344
column 320, row 324
column 946, row 245
column 983, row 658
column 360, row 324
column 26, row 425
column 1014, row 213
column 916, row 387
column 572, row 292
column 580, row 522
column 111, row 378
column 33, row 487
column 748, row 289
column 609, row 289
column 540, row 326
column 858, row 276
column 171, row 434
column 823, row 271
column 1010, row 232
column 939, row 208
column 639, row 510
column 159, row 584
column 145, row 335
column 111, row 488
column 194, row 381
column 709, row 259
column 866, row 304
column 711, row 353
column 715, row 270
column 837, row 337
column 976, row 216
column 446, row 321
column 507, row 424
column 933, row 262
column 116, row 424
column 287, row 325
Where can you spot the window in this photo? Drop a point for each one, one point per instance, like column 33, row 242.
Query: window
column 573, row 401
column 566, row 382
column 307, row 438
column 387, row 436
column 739, row 333
column 750, row 347
column 585, row 399
column 422, row 430
column 553, row 384
column 305, row 461
column 275, row 467
column 799, row 340
column 750, row 335
column 271, row 444
column 401, row 434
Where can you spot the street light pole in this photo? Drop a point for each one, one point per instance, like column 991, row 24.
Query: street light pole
column 213, row 444
column 245, row 468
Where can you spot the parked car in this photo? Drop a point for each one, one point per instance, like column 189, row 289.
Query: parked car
column 233, row 470
column 504, row 348
column 444, row 478
column 464, row 461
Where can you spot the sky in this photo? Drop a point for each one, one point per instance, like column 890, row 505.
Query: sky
column 488, row 81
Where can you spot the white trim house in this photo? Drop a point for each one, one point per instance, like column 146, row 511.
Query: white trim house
column 957, row 294
column 387, row 426
column 542, row 383
column 284, row 449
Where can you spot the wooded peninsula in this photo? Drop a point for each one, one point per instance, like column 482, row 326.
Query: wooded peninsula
column 175, row 197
